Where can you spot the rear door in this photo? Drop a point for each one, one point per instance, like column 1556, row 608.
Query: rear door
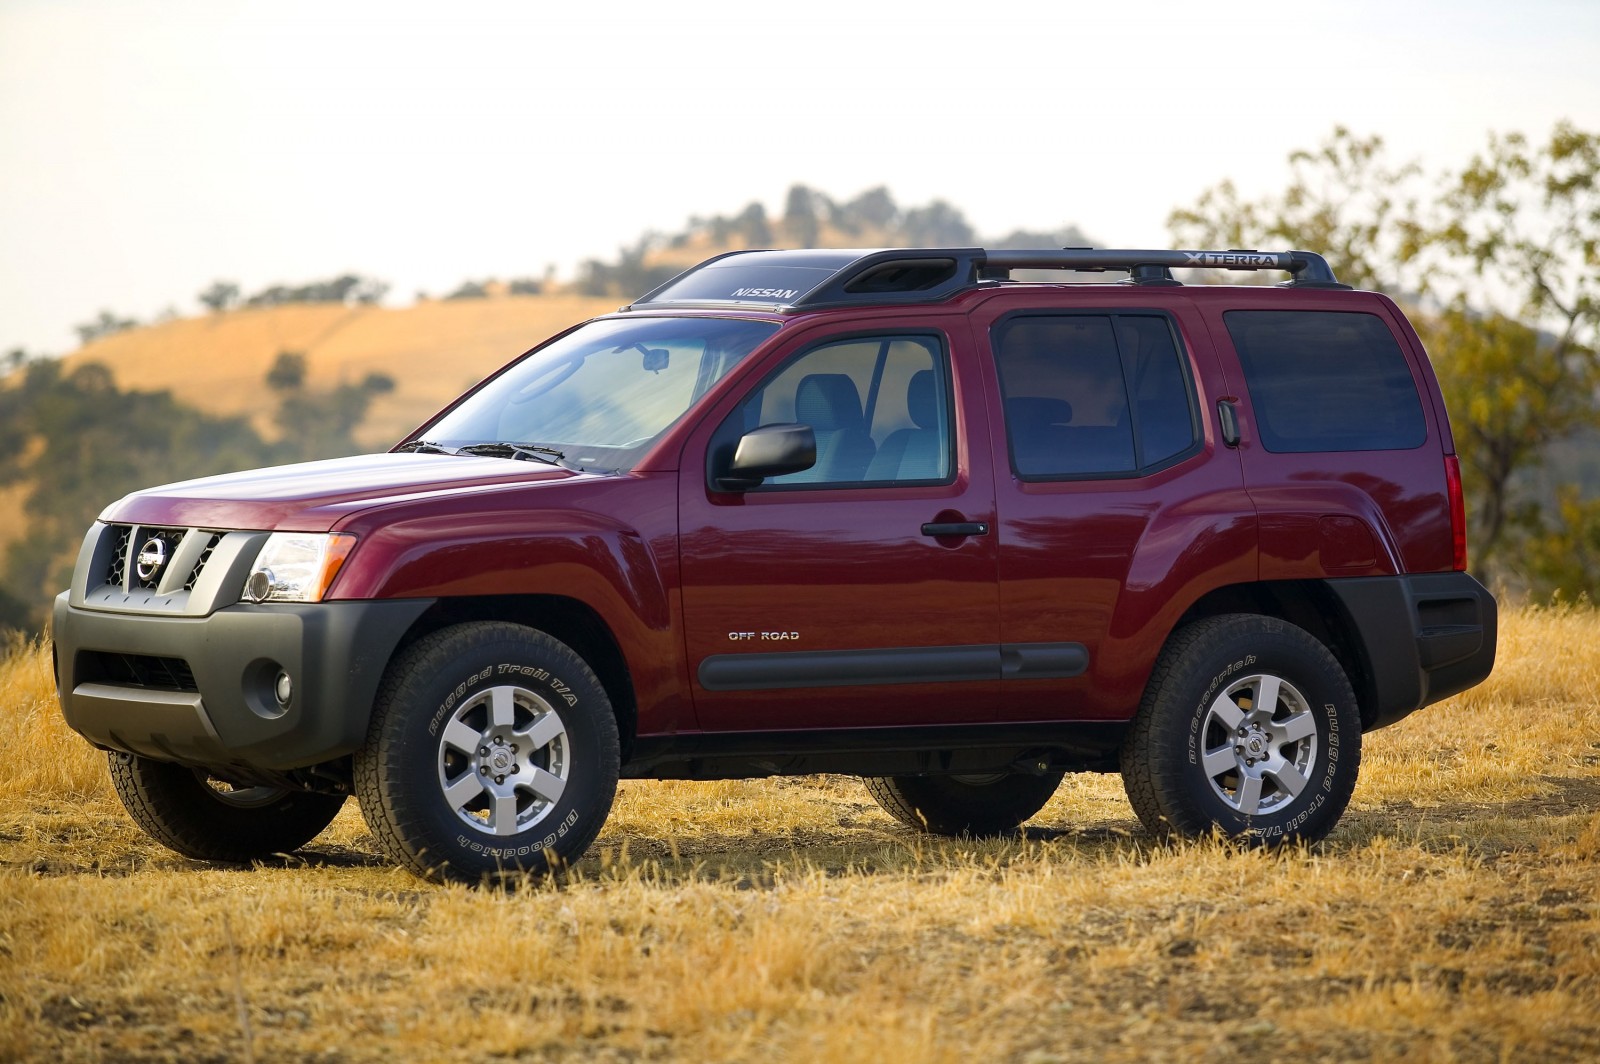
column 860, row 592
column 1342, row 457
column 1119, row 505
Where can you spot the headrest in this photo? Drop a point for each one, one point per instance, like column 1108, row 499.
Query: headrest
column 1037, row 411
column 828, row 402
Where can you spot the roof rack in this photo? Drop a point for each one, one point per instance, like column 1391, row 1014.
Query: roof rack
column 791, row 281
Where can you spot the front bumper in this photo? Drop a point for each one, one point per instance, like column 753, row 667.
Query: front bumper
column 200, row 689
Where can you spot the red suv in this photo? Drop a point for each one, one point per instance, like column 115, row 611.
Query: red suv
column 891, row 513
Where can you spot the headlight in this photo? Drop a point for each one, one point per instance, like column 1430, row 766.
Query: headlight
column 297, row 566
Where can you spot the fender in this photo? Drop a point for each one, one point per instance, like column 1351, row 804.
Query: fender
column 611, row 546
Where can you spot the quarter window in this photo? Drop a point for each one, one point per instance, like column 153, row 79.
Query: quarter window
column 1093, row 394
column 1326, row 381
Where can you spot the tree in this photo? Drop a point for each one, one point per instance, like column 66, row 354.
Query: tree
column 219, row 296
column 106, row 324
column 1512, row 390
column 1030, row 240
column 470, row 290
column 872, row 209
column 80, row 442
column 288, row 372
column 752, row 225
column 318, row 424
column 800, row 222
column 346, row 288
column 1345, row 201
column 1502, row 272
column 936, row 225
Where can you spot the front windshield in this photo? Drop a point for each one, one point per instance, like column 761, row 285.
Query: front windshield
column 599, row 396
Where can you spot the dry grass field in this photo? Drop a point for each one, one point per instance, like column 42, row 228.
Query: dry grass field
column 1451, row 917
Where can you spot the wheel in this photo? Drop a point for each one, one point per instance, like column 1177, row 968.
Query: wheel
column 199, row 816
column 1249, row 725
column 492, row 751
column 990, row 804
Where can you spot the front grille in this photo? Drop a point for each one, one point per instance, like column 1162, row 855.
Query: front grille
column 205, row 556
column 131, row 540
column 171, row 537
column 119, row 561
column 135, row 670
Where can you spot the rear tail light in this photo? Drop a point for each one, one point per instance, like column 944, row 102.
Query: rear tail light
column 1458, row 513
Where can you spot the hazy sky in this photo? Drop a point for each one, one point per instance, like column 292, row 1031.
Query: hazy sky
column 148, row 147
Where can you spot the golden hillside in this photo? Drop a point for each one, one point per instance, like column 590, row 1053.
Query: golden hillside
column 433, row 350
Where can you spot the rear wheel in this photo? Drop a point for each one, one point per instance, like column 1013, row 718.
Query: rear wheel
column 1249, row 725
column 492, row 750
column 988, row 804
column 202, row 817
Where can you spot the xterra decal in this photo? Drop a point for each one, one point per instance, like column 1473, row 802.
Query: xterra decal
column 1216, row 258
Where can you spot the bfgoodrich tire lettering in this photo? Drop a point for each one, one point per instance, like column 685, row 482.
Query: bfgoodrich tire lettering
column 1249, row 725
column 991, row 804
column 185, row 810
column 492, row 750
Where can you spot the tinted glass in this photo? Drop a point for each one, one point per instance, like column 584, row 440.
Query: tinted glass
column 1326, row 381
column 1163, row 407
column 879, row 407
column 1092, row 394
column 759, row 284
column 604, row 392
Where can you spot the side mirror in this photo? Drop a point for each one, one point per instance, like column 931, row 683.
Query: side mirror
column 769, row 451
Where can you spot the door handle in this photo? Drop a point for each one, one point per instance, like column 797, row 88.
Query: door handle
column 1228, row 415
column 955, row 528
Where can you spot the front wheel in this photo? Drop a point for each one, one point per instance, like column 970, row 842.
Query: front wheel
column 202, row 817
column 989, row 804
column 492, row 750
column 1248, row 725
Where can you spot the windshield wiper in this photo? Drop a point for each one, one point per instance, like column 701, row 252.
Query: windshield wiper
column 424, row 447
column 530, row 451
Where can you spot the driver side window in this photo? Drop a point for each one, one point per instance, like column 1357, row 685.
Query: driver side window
column 879, row 406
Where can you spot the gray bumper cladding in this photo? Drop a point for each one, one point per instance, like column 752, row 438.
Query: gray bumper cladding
column 203, row 690
column 1426, row 637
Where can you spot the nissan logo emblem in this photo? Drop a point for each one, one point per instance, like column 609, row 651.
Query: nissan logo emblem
column 152, row 556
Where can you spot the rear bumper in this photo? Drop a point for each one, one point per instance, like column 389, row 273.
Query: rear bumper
column 1425, row 637
column 200, row 690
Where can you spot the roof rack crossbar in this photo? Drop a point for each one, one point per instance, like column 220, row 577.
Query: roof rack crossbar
column 787, row 281
column 1306, row 266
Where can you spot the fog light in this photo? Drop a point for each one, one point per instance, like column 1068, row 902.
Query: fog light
column 259, row 586
column 283, row 688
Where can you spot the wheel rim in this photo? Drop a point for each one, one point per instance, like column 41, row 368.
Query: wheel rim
column 504, row 757
column 1260, row 744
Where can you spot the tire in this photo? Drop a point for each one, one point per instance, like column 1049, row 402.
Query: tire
column 1202, row 754
column 492, row 752
column 992, row 804
column 187, row 811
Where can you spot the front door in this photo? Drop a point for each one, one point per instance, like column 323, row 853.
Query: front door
column 860, row 592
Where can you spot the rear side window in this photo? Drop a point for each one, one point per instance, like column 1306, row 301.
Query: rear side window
column 1093, row 394
column 1327, row 381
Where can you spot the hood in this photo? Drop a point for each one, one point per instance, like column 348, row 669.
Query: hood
column 315, row 496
